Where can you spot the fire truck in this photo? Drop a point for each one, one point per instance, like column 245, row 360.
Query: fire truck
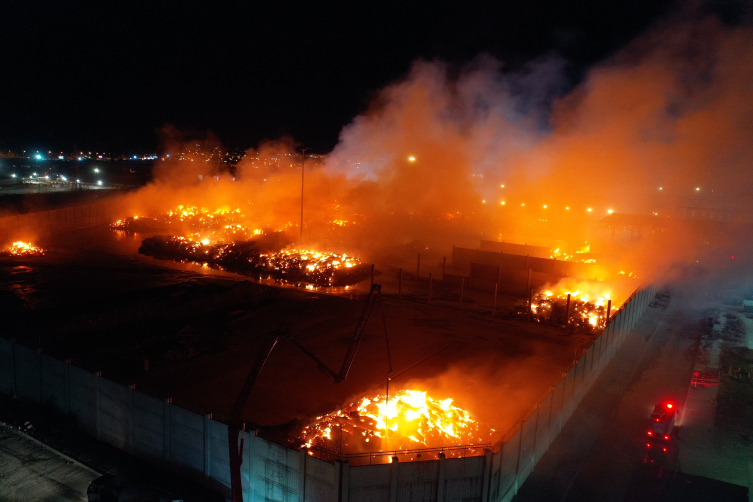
column 662, row 421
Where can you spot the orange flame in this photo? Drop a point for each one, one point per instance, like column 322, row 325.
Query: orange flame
column 410, row 419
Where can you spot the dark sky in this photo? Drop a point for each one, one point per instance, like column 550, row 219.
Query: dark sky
column 107, row 75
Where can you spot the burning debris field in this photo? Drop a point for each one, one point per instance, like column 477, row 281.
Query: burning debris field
column 220, row 240
column 20, row 248
column 407, row 420
column 323, row 269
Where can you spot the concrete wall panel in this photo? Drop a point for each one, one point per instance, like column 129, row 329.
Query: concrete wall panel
column 83, row 399
column 114, row 413
column 321, row 481
column 542, row 428
column 148, row 440
column 369, row 483
column 275, row 472
column 417, row 481
column 53, row 383
column 463, row 479
column 6, row 366
column 27, row 374
column 527, row 447
column 186, row 439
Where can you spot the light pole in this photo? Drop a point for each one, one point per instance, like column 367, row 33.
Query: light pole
column 303, row 163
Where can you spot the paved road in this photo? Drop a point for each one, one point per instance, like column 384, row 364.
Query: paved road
column 30, row 471
column 601, row 454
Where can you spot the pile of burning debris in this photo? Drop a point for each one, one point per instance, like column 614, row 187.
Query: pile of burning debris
column 20, row 248
column 571, row 309
column 324, row 269
column 222, row 225
column 219, row 239
column 409, row 419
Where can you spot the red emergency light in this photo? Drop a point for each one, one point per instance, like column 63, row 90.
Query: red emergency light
column 666, row 438
column 669, row 405
column 650, row 433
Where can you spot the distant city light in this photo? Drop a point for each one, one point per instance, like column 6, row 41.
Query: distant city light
column 38, row 157
column 697, row 189
column 12, row 175
column 661, row 188
column 61, row 157
column 99, row 182
column 33, row 174
column 96, row 170
column 46, row 177
column 80, row 158
column 63, row 178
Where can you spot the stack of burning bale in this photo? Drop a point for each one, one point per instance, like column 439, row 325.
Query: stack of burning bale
column 570, row 309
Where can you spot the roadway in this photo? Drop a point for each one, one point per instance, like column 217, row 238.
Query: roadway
column 602, row 454
column 30, row 470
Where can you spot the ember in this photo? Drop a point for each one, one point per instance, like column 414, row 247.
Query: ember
column 411, row 419
column 21, row 248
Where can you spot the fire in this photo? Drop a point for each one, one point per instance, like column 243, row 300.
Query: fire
column 20, row 248
column 589, row 301
column 585, row 312
column 411, row 419
column 222, row 225
column 562, row 255
column 322, row 268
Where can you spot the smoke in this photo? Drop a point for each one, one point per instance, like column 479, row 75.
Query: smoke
column 447, row 155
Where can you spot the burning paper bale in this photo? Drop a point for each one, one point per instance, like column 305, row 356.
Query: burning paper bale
column 222, row 225
column 589, row 314
column 20, row 248
column 324, row 269
column 411, row 419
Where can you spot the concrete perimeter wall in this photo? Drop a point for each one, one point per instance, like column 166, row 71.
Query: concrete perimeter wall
column 64, row 219
column 164, row 434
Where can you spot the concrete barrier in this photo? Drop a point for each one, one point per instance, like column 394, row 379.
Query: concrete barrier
column 164, row 434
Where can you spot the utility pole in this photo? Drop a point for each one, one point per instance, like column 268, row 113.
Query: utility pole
column 303, row 164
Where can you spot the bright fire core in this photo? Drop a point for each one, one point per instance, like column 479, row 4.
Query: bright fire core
column 411, row 419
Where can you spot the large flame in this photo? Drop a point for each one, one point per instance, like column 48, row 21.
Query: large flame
column 410, row 419
column 20, row 248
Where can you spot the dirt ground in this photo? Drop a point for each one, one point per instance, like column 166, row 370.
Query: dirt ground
column 95, row 300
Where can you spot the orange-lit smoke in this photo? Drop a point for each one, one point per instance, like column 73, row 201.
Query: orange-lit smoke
column 446, row 157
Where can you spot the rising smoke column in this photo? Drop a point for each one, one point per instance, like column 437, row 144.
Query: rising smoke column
column 425, row 162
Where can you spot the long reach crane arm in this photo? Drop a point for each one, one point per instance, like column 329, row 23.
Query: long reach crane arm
column 234, row 427
column 354, row 343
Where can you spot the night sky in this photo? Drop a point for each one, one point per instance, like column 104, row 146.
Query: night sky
column 108, row 75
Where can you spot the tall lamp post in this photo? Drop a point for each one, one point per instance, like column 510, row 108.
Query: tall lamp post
column 303, row 163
